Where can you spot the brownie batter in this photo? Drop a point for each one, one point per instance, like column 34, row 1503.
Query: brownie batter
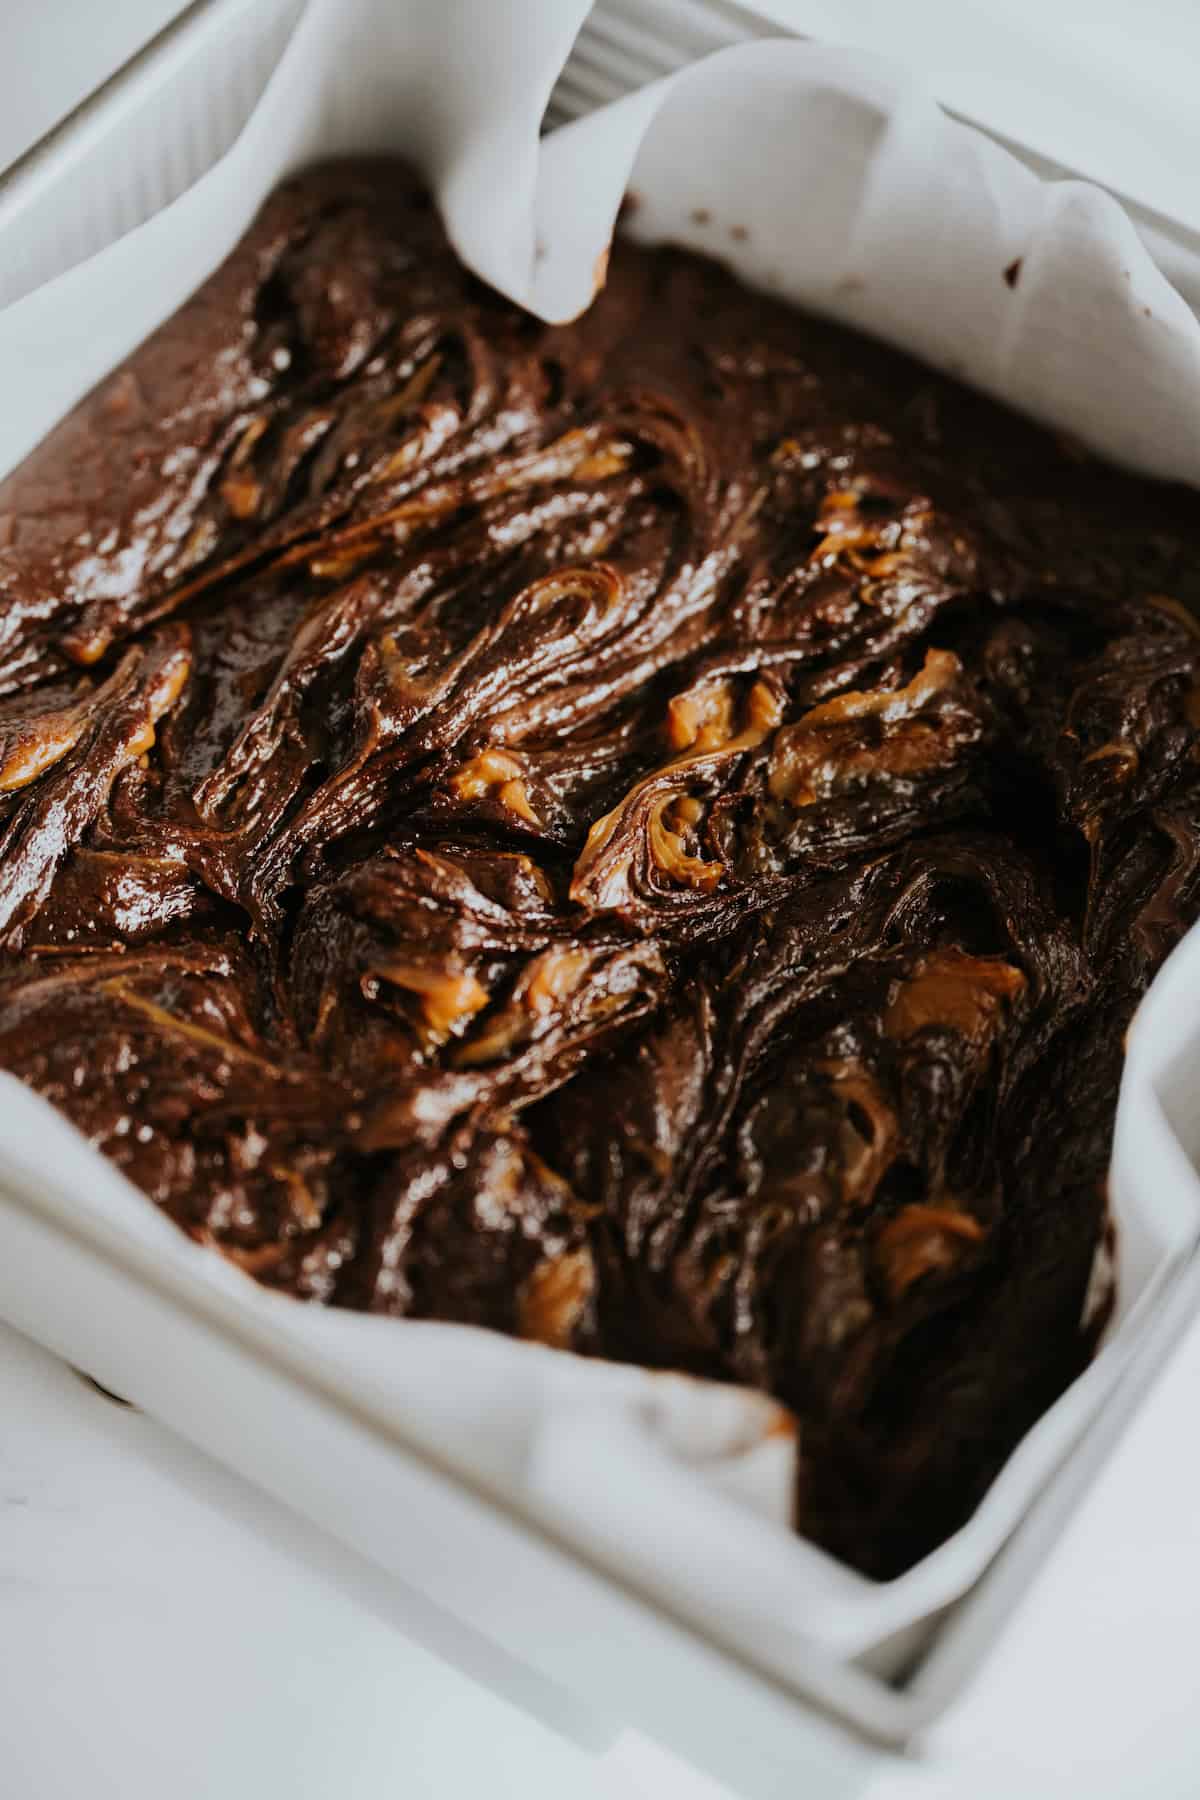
column 644, row 834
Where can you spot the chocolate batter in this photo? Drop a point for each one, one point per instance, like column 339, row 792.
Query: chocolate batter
column 644, row 834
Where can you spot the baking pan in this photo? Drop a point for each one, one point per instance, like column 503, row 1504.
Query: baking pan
column 600, row 1522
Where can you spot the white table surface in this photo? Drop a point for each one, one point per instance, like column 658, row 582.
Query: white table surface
column 167, row 1633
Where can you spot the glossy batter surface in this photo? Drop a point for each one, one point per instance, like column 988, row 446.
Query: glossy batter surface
column 645, row 834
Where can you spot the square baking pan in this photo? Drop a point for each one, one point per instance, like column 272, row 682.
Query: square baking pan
column 225, row 1369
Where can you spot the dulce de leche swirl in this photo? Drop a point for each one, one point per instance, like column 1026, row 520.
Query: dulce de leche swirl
column 644, row 834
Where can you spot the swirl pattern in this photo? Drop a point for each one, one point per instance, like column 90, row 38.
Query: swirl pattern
column 644, row 834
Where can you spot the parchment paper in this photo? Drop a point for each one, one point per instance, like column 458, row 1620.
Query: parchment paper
column 851, row 192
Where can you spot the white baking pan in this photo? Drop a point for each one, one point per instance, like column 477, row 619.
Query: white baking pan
column 621, row 1532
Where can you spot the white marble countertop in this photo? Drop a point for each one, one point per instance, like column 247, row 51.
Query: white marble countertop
column 165, row 1630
